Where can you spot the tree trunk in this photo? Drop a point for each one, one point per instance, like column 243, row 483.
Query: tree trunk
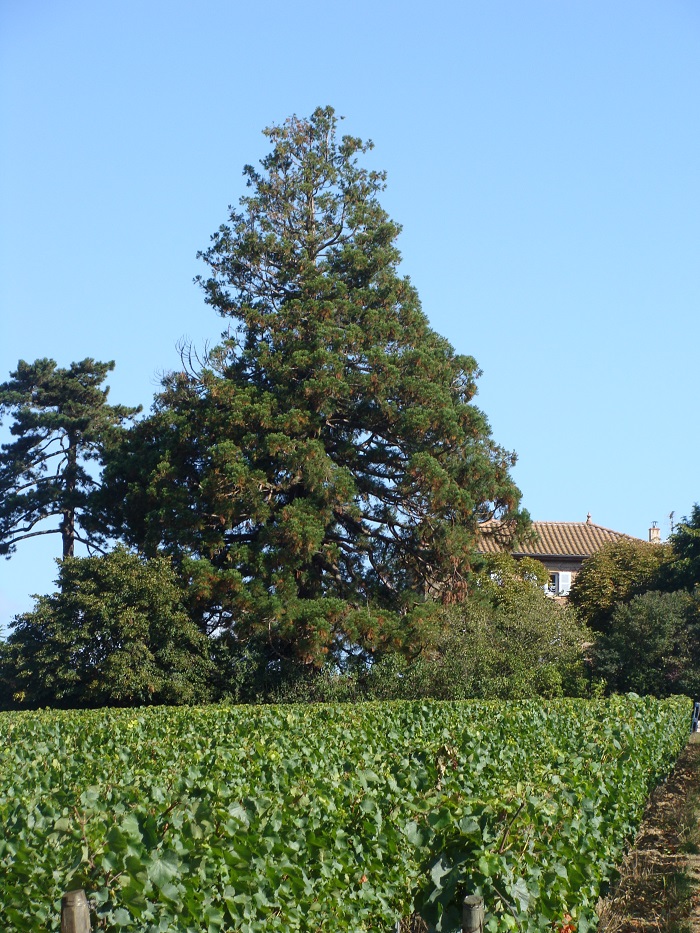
column 68, row 522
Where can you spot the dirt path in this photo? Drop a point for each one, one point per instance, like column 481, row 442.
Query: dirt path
column 659, row 887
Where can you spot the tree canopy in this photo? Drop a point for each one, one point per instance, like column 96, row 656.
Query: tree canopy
column 684, row 571
column 615, row 574
column 115, row 634
column 324, row 467
column 62, row 423
column 642, row 600
column 651, row 645
column 512, row 642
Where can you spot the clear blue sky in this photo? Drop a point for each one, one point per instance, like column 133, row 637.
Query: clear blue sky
column 542, row 156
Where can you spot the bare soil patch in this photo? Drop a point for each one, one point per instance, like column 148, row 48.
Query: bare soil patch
column 659, row 883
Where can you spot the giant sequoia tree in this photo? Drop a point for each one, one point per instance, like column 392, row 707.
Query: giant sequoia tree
column 323, row 468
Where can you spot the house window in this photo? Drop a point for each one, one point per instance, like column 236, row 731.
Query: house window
column 559, row 583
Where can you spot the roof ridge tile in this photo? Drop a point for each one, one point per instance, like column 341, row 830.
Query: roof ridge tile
column 559, row 539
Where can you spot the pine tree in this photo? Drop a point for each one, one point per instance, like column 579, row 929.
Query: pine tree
column 62, row 422
column 325, row 467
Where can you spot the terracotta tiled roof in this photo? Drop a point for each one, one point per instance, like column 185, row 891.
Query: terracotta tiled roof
column 554, row 539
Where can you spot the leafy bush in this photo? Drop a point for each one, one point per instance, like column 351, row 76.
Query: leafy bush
column 115, row 634
column 615, row 574
column 514, row 645
column 651, row 646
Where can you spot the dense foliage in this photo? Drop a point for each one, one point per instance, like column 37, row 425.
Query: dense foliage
column 643, row 602
column 325, row 467
column 615, row 574
column 115, row 634
column 63, row 424
column 515, row 643
column 683, row 572
column 325, row 818
column 652, row 645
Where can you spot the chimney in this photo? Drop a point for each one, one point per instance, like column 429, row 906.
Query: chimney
column 655, row 533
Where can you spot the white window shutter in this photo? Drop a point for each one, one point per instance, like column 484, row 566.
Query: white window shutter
column 564, row 583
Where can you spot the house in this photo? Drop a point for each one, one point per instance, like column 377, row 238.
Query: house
column 561, row 546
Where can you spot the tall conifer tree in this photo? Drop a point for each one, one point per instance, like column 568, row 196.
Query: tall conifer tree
column 61, row 423
column 325, row 465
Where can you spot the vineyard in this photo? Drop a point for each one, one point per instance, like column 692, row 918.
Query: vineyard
column 326, row 818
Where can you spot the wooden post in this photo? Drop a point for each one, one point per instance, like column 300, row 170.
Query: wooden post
column 75, row 912
column 473, row 914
